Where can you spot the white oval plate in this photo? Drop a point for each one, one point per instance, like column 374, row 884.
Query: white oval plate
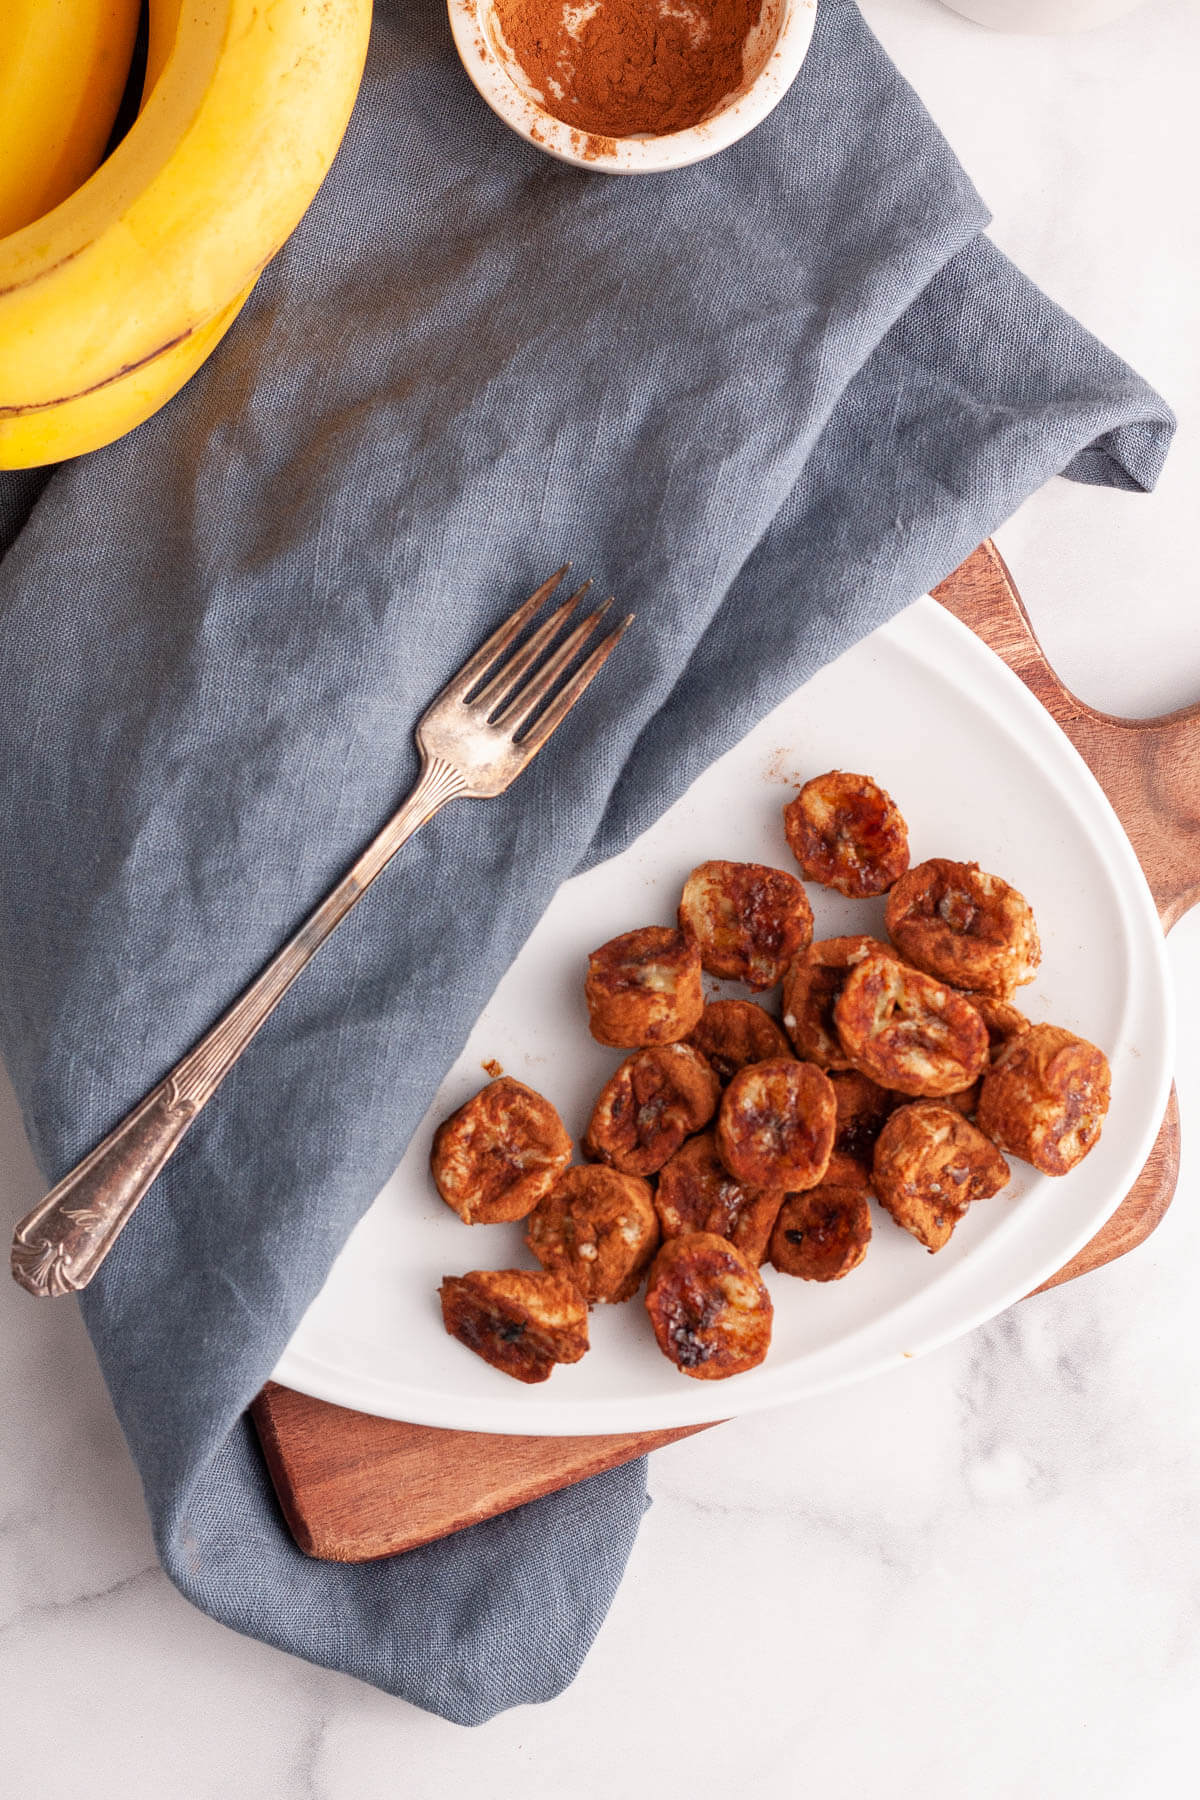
column 981, row 772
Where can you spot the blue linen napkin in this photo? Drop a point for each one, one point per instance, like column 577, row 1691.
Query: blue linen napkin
column 767, row 400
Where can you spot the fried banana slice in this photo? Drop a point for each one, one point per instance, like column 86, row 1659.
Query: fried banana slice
column 748, row 920
column 965, row 927
column 644, row 988
column 847, row 833
column 810, row 992
column 862, row 1107
column 696, row 1192
column 1045, row 1098
column 908, row 1032
column 930, row 1163
column 522, row 1321
column 656, row 1099
column 1003, row 1023
column 822, row 1235
column 776, row 1125
column 709, row 1307
column 733, row 1033
column 599, row 1229
column 495, row 1157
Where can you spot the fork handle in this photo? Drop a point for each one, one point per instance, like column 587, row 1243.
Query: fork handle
column 58, row 1247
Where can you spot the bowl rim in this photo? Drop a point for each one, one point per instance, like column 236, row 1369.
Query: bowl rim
column 633, row 155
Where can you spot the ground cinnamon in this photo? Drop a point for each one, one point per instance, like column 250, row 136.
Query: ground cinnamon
column 627, row 67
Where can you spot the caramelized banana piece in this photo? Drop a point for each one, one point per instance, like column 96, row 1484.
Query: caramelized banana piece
column 709, row 1307
column 655, row 1100
column 599, row 1229
column 748, row 920
column 862, row 1107
column 696, row 1192
column 846, row 833
column 810, row 992
column 822, row 1235
column 776, row 1124
column 733, row 1033
column 1045, row 1098
column 495, row 1157
column 522, row 1321
column 908, row 1032
column 644, row 988
column 930, row 1163
column 965, row 927
column 1003, row 1023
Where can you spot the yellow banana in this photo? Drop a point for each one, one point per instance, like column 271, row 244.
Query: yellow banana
column 63, row 69
column 164, row 23
column 51, row 434
column 229, row 150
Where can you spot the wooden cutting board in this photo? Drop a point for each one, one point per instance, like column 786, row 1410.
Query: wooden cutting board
column 353, row 1487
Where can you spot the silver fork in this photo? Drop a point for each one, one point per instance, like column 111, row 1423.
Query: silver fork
column 484, row 727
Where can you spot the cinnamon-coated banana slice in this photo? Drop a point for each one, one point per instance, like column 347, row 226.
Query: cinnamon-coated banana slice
column 522, row 1321
column 644, row 988
column 1003, row 1023
column 656, row 1099
column 733, row 1033
column 811, row 989
column 748, row 920
column 847, row 833
column 822, row 1235
column 1045, row 1098
column 598, row 1228
column 495, row 1157
column 709, row 1307
column 930, row 1163
column 963, row 926
column 776, row 1125
column 907, row 1031
column 862, row 1108
column 696, row 1192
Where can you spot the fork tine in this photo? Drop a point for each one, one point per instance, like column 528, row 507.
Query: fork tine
column 477, row 666
column 561, row 705
column 507, row 677
column 524, row 704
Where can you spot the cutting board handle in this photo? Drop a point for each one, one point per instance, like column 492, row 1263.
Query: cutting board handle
column 1149, row 768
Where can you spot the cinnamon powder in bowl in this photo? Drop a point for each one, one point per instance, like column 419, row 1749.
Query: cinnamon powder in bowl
column 632, row 86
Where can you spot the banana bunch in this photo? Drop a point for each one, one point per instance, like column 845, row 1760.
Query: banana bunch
column 113, row 298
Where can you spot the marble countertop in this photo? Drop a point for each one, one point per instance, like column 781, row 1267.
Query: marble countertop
column 979, row 1576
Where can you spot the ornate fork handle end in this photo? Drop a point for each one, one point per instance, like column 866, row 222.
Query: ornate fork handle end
column 58, row 1247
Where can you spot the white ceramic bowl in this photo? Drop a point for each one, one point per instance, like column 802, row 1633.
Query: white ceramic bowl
column 1043, row 16
column 775, row 52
